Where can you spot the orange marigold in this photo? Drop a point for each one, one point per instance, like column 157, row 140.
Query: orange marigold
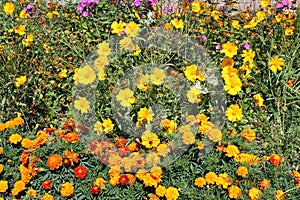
column 15, row 138
column 234, row 192
column 211, row 178
column 67, row 189
column 242, row 171
column 254, row 193
column 3, row 186
column 263, row 184
column 71, row 137
column 200, row 182
column 171, row 193
column 19, row 186
column 54, row 161
column 279, row 195
column 275, row 159
column 47, row 197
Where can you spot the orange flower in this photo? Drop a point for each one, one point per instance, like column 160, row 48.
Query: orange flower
column 54, row 161
column 160, row 191
column 234, row 192
column 47, row 197
column 47, row 184
column 231, row 151
column 2, row 127
column 254, row 193
column 211, row 178
column 263, row 184
column 279, row 195
column 19, row 186
column 15, row 138
column 171, row 193
column 3, row 186
column 71, row 137
column 70, row 157
column 80, row 172
column 242, row 171
column 200, row 182
column 275, row 159
column 67, row 190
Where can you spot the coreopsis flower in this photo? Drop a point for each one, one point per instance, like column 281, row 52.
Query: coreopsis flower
column 62, row 74
column 149, row 139
column 19, row 186
column 82, row 105
column 160, row 191
column 254, row 193
column 279, row 195
column 54, row 161
column 200, row 182
column 103, row 49
column 276, row 64
column 107, row 125
column 200, row 145
column 118, row 28
column 158, row 76
column 101, row 62
column 47, row 197
column 29, row 39
column 289, row 30
column 144, row 115
column 80, row 172
column 275, row 159
column 229, row 49
column 192, row 73
column 177, row 23
column 132, row 29
column 15, row 138
column 196, row 6
column 248, row 134
column 172, row 193
column 234, row 113
column 211, row 177
column 258, row 100
column 169, row 125
column 21, row 29
column 86, row 75
column 232, row 85
column 234, row 192
column 9, row 8
column 228, row 62
column 248, row 55
column 3, row 186
column 242, row 171
column 20, row 81
column 193, row 95
column 265, row 3
column 126, row 43
column 126, row 97
column 235, row 24
column 231, row 151
column 67, row 190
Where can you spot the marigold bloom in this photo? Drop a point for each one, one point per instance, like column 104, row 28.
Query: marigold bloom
column 196, row 6
column 100, row 182
column 95, row 189
column 71, row 137
column 200, row 145
column 19, row 186
column 259, row 101
column 276, row 64
column 275, row 159
column 169, row 125
column 20, row 81
column 21, row 29
column 31, row 193
column 144, row 115
column 15, row 138
column 3, row 186
column 234, row 192
column 223, row 180
column 188, row 138
column 86, row 75
column 242, row 171
column 254, row 193
column 279, row 195
column 234, row 113
column 263, row 184
column 70, row 157
column 200, row 182
column 54, row 161
column 160, row 191
column 192, row 73
column 27, row 143
column 231, row 151
column 9, row 8
column 67, row 190
column 248, row 134
column 47, row 197
column 230, row 49
column 80, row 172
column 296, row 175
column 149, row 139
column 82, row 105
column 126, row 97
column 211, row 177
column 172, row 193
column 47, row 184
column 214, row 134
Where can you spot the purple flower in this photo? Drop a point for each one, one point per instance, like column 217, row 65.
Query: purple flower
column 153, row 2
column 203, row 37
column 85, row 13
column 80, row 7
column 247, row 46
column 218, row 47
column 136, row 3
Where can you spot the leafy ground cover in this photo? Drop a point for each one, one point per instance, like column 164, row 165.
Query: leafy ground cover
column 149, row 100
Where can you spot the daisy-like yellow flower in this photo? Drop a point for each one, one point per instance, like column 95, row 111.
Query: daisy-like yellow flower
column 98, row 127
column 265, row 3
column 193, row 95
column 248, row 134
column 233, row 85
column 276, row 64
column 259, row 101
column 236, row 24
column 192, row 73
column 145, row 115
column 132, row 29
column 118, row 28
column 103, row 49
column 23, row 14
column 234, row 113
column 158, row 76
column 177, row 23
column 142, row 82
column 21, row 29
column 82, row 105
column 289, row 30
column 230, row 49
column 9, row 8
column 86, row 75
column 196, row 6
column 20, row 81
column 125, row 43
column 248, row 55
column 62, row 74
column 126, row 97
column 150, row 140
column 108, row 125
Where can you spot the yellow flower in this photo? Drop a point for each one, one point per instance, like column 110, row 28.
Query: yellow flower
column 126, row 97
column 234, row 113
column 145, row 115
column 248, row 134
column 19, row 186
column 132, row 29
column 211, row 178
column 196, row 6
column 125, row 43
column 276, row 63
column 150, row 140
column 101, row 62
column 265, row 3
column 160, row 191
column 15, row 138
column 230, row 49
column 227, row 62
column 236, row 24
column 118, row 28
column 31, row 193
column 103, row 49
column 192, row 95
column 67, row 190
column 192, row 73
column 254, row 193
column 86, row 75
column 20, row 81
column 107, row 125
column 168, row 125
column 21, row 29
column 279, row 195
column 214, row 134
column 289, row 30
column 188, row 138
column 248, row 55
column 234, row 192
column 259, row 101
column 82, row 105
column 200, row 182
column 233, row 85
column 3, row 186
column 47, row 197
column 158, row 76
column 260, row 15
column 242, row 171
column 200, row 145
column 62, row 74
column 98, row 127
column 177, row 23
column 171, row 193
column 46, row 47
column 231, row 151
column 223, row 180
column 9, row 8
column 1, row 168
column 142, row 82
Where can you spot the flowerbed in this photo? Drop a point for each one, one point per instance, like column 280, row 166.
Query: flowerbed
column 149, row 100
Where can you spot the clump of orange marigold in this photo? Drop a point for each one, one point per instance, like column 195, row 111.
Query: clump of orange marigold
column 242, row 171
column 234, row 192
column 263, row 184
column 70, row 157
column 71, row 137
column 47, row 197
column 171, row 193
column 200, row 182
column 67, row 190
column 3, row 186
column 279, row 195
column 54, row 161
column 275, row 159
column 254, row 193
column 19, row 186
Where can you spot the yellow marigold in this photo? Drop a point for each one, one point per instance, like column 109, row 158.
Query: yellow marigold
column 160, row 191
column 27, row 143
column 196, row 6
column 144, row 115
column 200, row 182
column 15, row 138
column 2, row 127
column 169, row 125
column 19, row 186
column 100, row 182
column 231, row 151
column 296, row 175
column 188, row 138
column 71, row 137
column 230, row 49
column 47, row 197
column 162, row 150
column 234, row 113
column 214, row 134
column 234, row 192
column 31, row 193
column 259, row 101
column 275, row 159
column 54, row 161
column 67, row 190
column 247, row 159
column 254, row 193
column 200, row 145
column 153, row 197
column 242, row 171
column 20, row 81
column 248, row 134
column 3, row 186
column 279, row 195
column 192, row 73
column 223, row 180
column 149, row 181
column 1, row 168
column 126, row 97
column 172, row 193
column 86, row 75
column 276, row 64
column 149, row 139
column 211, row 177
column 9, row 8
